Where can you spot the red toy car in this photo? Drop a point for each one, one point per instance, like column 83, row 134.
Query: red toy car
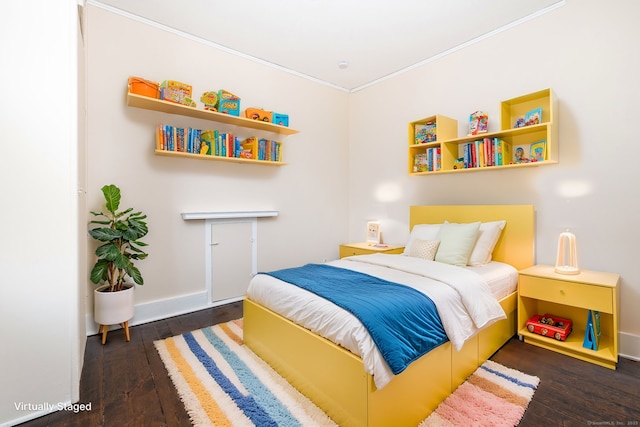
column 550, row 326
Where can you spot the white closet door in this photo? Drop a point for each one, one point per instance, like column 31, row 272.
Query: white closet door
column 231, row 259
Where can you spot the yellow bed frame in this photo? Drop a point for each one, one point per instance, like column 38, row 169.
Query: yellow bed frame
column 335, row 379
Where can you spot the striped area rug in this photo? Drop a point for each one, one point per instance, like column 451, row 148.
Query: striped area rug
column 492, row 396
column 223, row 383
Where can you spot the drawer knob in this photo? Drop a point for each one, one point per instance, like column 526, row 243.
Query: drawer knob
column 561, row 291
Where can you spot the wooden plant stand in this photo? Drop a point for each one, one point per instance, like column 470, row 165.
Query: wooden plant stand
column 105, row 328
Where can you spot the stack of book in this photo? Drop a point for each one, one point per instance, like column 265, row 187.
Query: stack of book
column 215, row 143
column 429, row 161
column 485, row 152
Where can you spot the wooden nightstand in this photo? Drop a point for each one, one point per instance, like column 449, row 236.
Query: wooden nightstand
column 365, row 248
column 541, row 290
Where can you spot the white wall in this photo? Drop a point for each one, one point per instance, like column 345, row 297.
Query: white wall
column 42, row 337
column 310, row 192
column 585, row 52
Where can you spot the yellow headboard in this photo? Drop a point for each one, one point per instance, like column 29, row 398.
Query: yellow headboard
column 516, row 245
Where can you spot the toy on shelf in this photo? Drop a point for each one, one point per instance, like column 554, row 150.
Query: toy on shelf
column 178, row 92
column 550, row 326
column 459, row 163
column 267, row 116
column 143, row 87
column 210, row 100
column 228, row 103
column 478, row 123
column 258, row 114
column 280, row 119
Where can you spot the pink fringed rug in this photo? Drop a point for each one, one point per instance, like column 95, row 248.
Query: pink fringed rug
column 492, row 396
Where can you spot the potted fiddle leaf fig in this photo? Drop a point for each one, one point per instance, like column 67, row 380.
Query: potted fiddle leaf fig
column 119, row 234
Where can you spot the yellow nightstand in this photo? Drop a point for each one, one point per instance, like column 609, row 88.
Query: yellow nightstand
column 365, row 248
column 541, row 290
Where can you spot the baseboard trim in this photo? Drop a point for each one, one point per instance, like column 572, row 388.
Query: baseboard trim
column 629, row 346
column 163, row 309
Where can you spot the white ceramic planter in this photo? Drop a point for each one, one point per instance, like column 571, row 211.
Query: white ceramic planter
column 113, row 308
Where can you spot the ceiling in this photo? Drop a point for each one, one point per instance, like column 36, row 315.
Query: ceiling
column 375, row 38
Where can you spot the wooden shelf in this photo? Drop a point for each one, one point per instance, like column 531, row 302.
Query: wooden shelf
column 218, row 158
column 449, row 145
column 147, row 103
column 573, row 347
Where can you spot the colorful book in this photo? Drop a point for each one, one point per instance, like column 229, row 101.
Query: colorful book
column 420, row 162
column 498, row 148
column 521, row 153
column 159, row 139
column 538, row 151
column 425, row 132
column 180, row 140
column 593, row 332
column 533, row 117
column 208, row 138
column 506, row 152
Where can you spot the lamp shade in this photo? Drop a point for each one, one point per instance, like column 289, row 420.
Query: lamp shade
column 567, row 258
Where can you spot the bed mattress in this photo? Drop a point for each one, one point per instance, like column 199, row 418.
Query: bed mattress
column 465, row 305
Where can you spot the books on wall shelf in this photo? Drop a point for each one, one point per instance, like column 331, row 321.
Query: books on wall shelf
column 216, row 143
column 425, row 132
column 488, row 152
column 429, row 161
column 483, row 153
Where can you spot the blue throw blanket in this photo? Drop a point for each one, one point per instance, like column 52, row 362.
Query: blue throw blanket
column 402, row 321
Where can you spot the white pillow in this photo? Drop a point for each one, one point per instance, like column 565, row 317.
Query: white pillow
column 425, row 249
column 423, row 232
column 456, row 242
column 488, row 236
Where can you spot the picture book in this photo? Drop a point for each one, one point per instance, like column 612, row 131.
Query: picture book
column 521, row 153
column 538, row 151
column 593, row 332
column 420, row 162
column 520, row 122
column 425, row 132
column 533, row 117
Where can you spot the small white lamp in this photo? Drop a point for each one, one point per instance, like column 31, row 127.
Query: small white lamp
column 567, row 258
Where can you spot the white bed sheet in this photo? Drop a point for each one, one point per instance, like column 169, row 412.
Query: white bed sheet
column 501, row 278
column 330, row 321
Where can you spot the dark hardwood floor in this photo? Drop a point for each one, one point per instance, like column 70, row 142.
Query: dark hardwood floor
column 127, row 384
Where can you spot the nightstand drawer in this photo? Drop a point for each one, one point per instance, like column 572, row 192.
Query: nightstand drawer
column 346, row 251
column 367, row 249
column 582, row 295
